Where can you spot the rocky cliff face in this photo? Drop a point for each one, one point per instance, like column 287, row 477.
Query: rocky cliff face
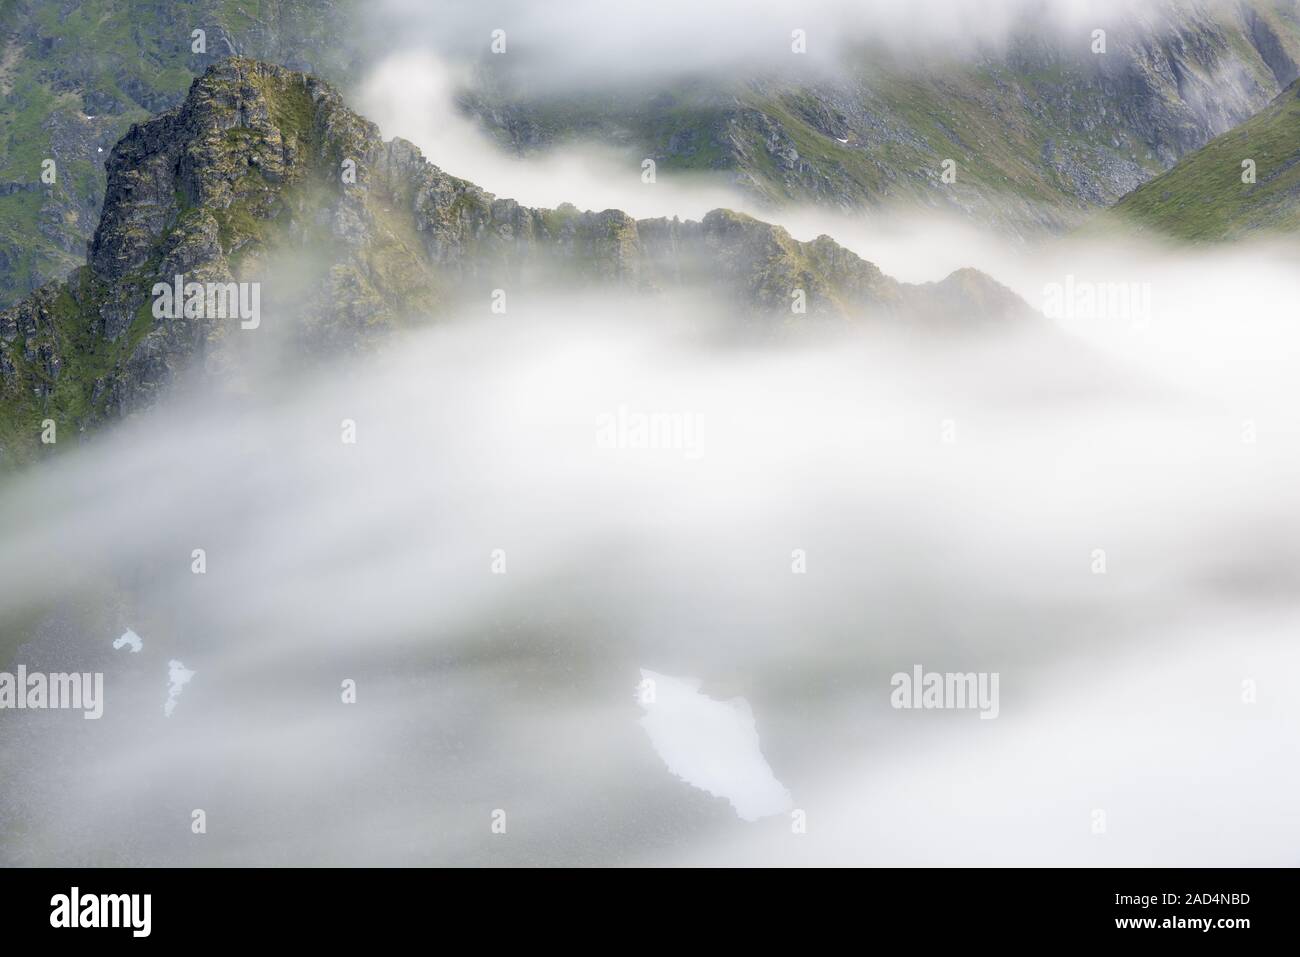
column 1042, row 132
column 74, row 76
column 264, row 177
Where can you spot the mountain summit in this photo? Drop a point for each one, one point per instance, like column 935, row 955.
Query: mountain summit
column 264, row 177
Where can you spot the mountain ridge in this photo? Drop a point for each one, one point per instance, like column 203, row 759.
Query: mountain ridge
column 254, row 167
column 1029, row 127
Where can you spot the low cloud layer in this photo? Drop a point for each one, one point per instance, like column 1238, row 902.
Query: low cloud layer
column 588, row 42
column 496, row 574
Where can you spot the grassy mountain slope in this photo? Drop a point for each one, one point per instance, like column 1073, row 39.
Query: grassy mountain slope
column 1203, row 197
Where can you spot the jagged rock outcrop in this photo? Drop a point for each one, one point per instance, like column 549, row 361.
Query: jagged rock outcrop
column 75, row 74
column 264, row 177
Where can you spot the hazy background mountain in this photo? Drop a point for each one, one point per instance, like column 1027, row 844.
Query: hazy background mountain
column 1043, row 129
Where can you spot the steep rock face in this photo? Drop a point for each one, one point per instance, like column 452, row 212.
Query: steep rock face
column 1042, row 132
column 263, row 177
column 1271, row 41
column 75, row 74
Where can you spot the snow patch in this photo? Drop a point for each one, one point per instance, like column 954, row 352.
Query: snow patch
column 712, row 745
column 178, row 676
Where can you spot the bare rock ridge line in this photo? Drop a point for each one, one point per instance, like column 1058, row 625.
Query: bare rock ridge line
column 262, row 166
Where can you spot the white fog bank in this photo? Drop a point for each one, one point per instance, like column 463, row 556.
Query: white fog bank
column 538, row 506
